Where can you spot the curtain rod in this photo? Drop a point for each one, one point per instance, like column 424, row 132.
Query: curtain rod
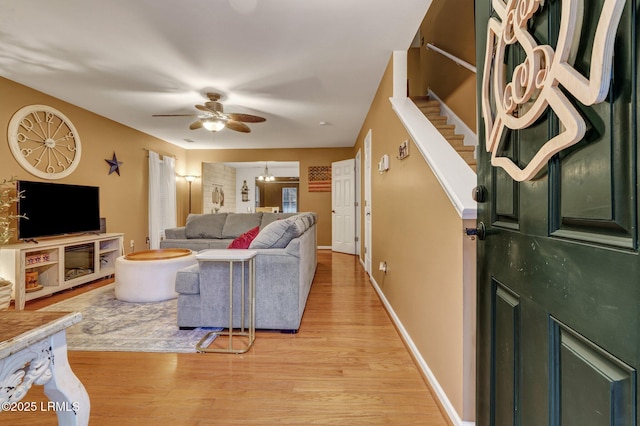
column 164, row 155
column 455, row 59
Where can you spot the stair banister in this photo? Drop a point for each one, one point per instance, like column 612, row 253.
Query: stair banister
column 455, row 59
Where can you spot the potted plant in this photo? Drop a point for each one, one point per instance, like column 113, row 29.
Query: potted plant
column 8, row 197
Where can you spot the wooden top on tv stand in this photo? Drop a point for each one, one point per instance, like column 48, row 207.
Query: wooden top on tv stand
column 60, row 240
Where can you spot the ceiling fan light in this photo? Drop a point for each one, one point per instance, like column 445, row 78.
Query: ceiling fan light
column 213, row 124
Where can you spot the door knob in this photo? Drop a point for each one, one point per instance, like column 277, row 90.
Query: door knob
column 479, row 232
column 479, row 194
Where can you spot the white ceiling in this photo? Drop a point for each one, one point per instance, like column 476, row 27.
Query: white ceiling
column 295, row 62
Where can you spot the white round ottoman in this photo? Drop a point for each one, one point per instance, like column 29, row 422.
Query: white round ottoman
column 150, row 275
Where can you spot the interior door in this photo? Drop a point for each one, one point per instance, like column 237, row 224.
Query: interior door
column 558, row 268
column 343, row 206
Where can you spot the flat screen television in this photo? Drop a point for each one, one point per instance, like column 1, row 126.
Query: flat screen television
column 56, row 209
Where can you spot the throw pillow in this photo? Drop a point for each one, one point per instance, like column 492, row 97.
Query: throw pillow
column 244, row 240
column 267, row 218
column 277, row 234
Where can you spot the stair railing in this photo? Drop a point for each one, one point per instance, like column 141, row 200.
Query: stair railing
column 454, row 58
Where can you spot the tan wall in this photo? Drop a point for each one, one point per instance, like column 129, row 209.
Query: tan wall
column 450, row 26
column 418, row 233
column 319, row 202
column 123, row 199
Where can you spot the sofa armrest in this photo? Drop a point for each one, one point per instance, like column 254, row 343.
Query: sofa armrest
column 188, row 280
column 176, row 233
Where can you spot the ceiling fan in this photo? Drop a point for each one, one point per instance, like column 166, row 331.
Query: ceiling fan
column 214, row 119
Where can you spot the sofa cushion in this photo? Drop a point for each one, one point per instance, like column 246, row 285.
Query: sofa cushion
column 276, row 234
column 219, row 243
column 208, row 225
column 243, row 241
column 239, row 223
column 195, row 244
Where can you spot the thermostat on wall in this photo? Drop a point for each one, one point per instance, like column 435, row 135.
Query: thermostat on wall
column 383, row 165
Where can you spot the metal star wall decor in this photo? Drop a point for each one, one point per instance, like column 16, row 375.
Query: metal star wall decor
column 114, row 164
column 536, row 82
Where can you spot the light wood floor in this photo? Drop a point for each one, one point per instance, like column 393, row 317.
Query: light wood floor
column 346, row 365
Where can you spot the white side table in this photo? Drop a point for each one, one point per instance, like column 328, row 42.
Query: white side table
column 248, row 297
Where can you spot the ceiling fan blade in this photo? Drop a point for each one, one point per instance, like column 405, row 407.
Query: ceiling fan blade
column 246, row 118
column 175, row 115
column 202, row 108
column 196, row 125
column 237, row 126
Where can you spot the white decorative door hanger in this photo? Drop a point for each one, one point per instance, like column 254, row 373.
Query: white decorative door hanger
column 535, row 82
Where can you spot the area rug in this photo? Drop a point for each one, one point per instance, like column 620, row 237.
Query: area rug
column 111, row 325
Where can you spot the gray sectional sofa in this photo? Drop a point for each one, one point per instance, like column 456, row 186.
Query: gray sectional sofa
column 216, row 230
column 285, row 266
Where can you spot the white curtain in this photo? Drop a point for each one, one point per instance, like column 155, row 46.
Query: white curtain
column 169, row 211
column 155, row 203
column 162, row 197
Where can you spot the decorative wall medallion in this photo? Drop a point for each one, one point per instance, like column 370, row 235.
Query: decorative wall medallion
column 44, row 142
column 536, row 81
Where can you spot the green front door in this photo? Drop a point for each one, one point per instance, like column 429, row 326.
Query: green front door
column 558, row 268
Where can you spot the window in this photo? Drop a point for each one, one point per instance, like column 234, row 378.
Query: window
column 289, row 200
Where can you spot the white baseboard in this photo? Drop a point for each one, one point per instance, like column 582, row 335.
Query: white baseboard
column 324, row 247
column 422, row 364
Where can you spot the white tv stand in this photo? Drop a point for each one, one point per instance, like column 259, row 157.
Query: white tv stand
column 61, row 263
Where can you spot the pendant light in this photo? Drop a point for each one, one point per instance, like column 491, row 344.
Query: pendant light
column 265, row 176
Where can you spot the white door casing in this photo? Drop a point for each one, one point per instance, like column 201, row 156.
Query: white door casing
column 358, row 196
column 367, row 202
column 343, row 206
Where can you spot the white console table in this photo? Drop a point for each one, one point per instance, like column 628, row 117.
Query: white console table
column 60, row 263
column 33, row 350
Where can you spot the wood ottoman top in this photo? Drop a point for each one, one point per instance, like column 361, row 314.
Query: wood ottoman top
column 158, row 254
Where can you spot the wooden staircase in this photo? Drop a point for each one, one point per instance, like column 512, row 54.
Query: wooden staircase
column 431, row 109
